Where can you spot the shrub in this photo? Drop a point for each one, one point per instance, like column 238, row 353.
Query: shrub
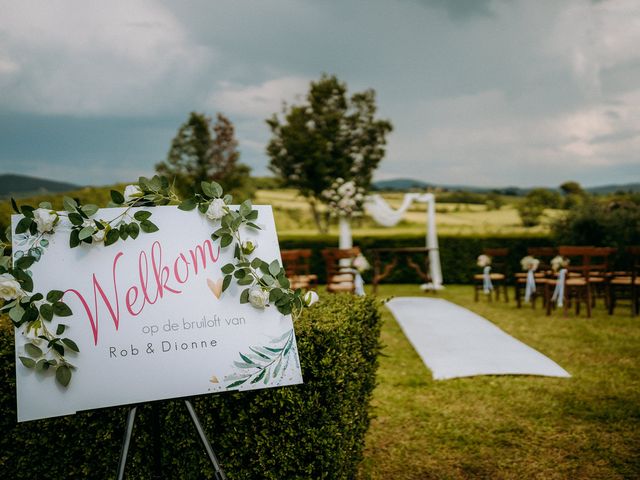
column 315, row 430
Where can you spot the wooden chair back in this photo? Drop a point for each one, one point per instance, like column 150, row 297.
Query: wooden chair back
column 340, row 275
column 297, row 265
column 544, row 255
column 498, row 259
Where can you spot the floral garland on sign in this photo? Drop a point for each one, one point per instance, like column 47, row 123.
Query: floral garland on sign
column 46, row 349
column 344, row 198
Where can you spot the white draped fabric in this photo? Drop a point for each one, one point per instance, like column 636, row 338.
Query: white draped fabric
column 387, row 216
column 383, row 213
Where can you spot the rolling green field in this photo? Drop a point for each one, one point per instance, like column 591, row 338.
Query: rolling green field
column 511, row 427
column 293, row 216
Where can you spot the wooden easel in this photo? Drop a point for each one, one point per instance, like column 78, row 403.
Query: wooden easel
column 157, row 458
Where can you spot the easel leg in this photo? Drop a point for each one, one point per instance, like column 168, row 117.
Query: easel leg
column 157, row 442
column 126, row 442
column 218, row 473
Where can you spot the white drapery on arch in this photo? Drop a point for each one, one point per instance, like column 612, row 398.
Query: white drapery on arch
column 385, row 215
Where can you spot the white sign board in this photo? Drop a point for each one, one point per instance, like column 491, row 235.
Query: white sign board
column 150, row 321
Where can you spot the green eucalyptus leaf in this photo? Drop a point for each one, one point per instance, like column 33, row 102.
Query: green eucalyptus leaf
column 244, row 296
column 23, row 225
column 58, row 348
column 27, row 211
column 134, row 230
column 188, row 204
column 252, row 215
column 70, row 344
column 46, row 310
column 60, row 329
column 117, row 197
column 16, row 313
column 259, row 377
column 245, row 208
column 142, row 215
column 69, row 204
column 148, row 226
column 75, row 219
column 253, row 225
column 228, row 268
column 14, row 205
column 124, row 233
column 86, row 232
column 207, row 189
column 226, row 282
column 28, row 362
column 63, row 375
column 89, row 209
column 33, row 350
column 112, row 237
column 74, row 238
column 226, row 240
column 217, row 189
column 274, row 268
column 54, row 295
column 237, row 383
column 268, row 279
column 248, row 280
column 25, row 262
column 61, row 309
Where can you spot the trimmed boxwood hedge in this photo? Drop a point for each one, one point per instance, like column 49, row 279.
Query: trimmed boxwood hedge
column 310, row 431
column 457, row 254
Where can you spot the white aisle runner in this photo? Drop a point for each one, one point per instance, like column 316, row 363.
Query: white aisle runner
column 455, row 342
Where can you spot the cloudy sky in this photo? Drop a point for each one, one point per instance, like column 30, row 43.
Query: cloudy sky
column 481, row 92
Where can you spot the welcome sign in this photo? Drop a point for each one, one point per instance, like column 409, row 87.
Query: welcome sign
column 150, row 319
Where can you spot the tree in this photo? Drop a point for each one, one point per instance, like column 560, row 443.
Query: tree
column 574, row 194
column 200, row 151
column 327, row 137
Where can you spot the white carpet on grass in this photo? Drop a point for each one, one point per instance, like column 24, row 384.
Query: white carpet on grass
column 455, row 342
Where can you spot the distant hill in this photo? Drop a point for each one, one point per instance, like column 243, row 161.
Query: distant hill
column 401, row 184
column 22, row 185
column 405, row 184
column 606, row 189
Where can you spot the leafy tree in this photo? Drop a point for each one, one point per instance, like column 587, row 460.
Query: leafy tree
column 545, row 197
column 494, row 201
column 329, row 136
column 202, row 151
column 574, row 194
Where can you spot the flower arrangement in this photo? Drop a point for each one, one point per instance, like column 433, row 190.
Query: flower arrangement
column 483, row 261
column 529, row 263
column 559, row 262
column 360, row 263
column 266, row 283
column 344, row 198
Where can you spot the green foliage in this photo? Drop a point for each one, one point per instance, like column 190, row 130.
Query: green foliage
column 315, row 430
column 532, row 207
column 494, row 201
column 600, row 223
column 200, row 152
column 327, row 137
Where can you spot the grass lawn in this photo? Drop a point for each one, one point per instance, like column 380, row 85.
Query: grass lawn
column 516, row 427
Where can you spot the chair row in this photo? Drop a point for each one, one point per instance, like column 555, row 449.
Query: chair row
column 341, row 275
column 564, row 277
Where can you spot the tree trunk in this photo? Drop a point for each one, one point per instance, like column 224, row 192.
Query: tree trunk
column 323, row 227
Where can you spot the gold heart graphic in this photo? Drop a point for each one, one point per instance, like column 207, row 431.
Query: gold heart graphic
column 215, row 287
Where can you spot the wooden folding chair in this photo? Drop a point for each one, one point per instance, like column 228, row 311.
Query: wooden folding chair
column 626, row 284
column 297, row 265
column 576, row 281
column 498, row 274
column 340, row 275
column 544, row 256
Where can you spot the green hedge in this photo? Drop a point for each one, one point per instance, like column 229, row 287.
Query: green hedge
column 310, row 431
column 457, row 254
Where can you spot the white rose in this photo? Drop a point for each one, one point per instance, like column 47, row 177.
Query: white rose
column 216, row 209
column 310, row 298
column 248, row 247
column 132, row 192
column 97, row 235
column 258, row 297
column 10, row 287
column 484, row 260
column 360, row 263
column 45, row 219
